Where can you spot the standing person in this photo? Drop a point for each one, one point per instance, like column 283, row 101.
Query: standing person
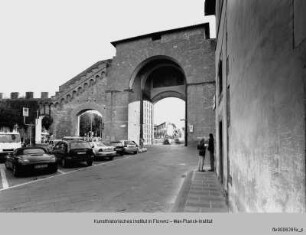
column 201, row 147
column 211, row 149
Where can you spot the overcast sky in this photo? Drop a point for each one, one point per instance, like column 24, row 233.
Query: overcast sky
column 44, row 43
column 170, row 110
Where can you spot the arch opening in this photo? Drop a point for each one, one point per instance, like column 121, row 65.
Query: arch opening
column 157, row 79
column 169, row 121
column 90, row 124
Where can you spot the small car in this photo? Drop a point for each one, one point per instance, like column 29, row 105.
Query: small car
column 70, row 151
column 166, row 141
column 118, row 145
column 30, row 159
column 129, row 146
column 46, row 147
column 103, row 150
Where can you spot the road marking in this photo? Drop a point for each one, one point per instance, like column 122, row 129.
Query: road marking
column 66, row 173
column 5, row 184
column 60, row 171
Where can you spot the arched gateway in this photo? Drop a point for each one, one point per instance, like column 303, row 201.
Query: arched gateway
column 173, row 63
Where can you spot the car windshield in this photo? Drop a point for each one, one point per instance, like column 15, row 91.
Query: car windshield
column 99, row 144
column 106, row 144
column 79, row 145
column 33, row 152
column 129, row 142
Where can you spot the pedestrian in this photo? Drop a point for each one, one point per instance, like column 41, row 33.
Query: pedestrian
column 211, row 149
column 201, row 147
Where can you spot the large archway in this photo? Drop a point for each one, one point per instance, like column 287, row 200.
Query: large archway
column 155, row 79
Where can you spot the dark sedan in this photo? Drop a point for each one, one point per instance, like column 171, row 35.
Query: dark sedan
column 30, row 159
column 71, row 151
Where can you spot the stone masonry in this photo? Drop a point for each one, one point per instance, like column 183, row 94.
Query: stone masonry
column 109, row 86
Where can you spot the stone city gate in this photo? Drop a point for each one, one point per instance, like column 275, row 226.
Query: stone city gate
column 173, row 63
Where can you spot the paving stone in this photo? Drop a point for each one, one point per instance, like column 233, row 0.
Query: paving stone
column 215, row 193
column 214, row 210
column 221, row 205
column 207, row 204
column 211, row 198
column 193, row 193
column 192, row 197
column 191, row 209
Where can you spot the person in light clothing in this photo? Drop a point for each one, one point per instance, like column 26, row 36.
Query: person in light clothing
column 202, row 148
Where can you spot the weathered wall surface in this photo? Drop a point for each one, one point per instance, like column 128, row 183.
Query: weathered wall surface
column 190, row 50
column 267, row 104
column 65, row 114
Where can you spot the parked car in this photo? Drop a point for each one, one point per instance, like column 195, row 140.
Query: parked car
column 166, row 141
column 72, row 138
column 103, row 150
column 46, row 147
column 129, row 146
column 118, row 145
column 30, row 159
column 52, row 143
column 69, row 151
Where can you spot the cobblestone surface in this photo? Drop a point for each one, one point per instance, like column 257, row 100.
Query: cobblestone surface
column 203, row 193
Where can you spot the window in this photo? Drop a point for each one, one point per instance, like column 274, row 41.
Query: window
column 220, row 78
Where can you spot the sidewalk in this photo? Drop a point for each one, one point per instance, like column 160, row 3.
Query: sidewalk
column 201, row 192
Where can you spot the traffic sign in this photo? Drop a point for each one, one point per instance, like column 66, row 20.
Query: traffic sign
column 25, row 112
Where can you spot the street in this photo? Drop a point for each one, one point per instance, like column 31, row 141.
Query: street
column 145, row 182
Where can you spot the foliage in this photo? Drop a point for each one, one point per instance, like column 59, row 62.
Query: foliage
column 46, row 122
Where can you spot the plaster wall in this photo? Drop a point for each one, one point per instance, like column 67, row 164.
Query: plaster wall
column 267, row 105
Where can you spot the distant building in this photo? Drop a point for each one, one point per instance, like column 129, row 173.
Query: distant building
column 11, row 113
column 148, row 122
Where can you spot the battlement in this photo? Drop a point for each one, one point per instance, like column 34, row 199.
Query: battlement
column 28, row 95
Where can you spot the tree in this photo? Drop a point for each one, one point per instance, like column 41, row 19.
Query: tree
column 46, row 122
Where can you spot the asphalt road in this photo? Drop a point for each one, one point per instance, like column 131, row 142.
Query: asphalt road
column 146, row 182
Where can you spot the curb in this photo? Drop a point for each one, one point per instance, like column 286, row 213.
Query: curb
column 181, row 198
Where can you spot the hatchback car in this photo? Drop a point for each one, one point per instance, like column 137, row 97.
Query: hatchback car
column 67, row 152
column 129, row 146
column 118, row 146
column 30, row 159
column 103, row 150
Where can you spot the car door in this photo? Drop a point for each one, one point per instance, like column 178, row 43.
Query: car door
column 59, row 151
column 9, row 160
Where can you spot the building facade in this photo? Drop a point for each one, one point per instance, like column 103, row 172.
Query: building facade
column 174, row 63
column 11, row 115
column 260, row 103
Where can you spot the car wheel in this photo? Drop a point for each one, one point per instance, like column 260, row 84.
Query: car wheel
column 111, row 158
column 15, row 171
column 89, row 163
column 64, row 163
column 135, row 152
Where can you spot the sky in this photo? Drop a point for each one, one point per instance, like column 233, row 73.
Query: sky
column 175, row 114
column 44, row 43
